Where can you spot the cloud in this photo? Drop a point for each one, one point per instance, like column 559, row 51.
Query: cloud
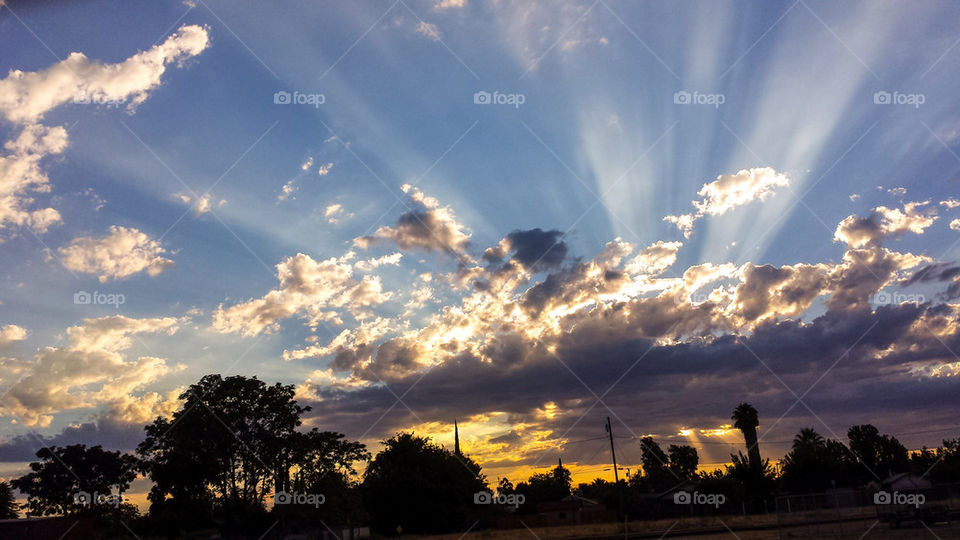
column 955, row 224
column 335, row 213
column 324, row 170
column 897, row 191
column 11, row 333
column 89, row 371
column 21, row 177
column 201, row 205
column 426, row 226
column 884, row 223
column 729, row 191
column 950, row 203
column 534, row 249
column 319, row 291
column 449, row 4
column 429, row 30
column 26, row 96
column 122, row 253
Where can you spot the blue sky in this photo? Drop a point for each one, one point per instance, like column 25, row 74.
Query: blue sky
column 598, row 150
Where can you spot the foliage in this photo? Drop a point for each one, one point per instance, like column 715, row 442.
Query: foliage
column 63, row 473
column 421, row 487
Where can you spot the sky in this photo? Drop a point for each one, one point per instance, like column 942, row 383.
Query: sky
column 526, row 217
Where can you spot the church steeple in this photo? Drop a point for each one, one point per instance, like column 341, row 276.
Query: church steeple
column 560, row 462
column 456, row 438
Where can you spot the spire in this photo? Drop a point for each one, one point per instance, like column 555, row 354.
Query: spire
column 560, row 462
column 456, row 438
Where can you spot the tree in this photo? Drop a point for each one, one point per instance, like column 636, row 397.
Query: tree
column 546, row 487
column 881, row 455
column 683, row 461
column 656, row 466
column 746, row 420
column 58, row 482
column 815, row 464
column 229, row 445
column 419, row 486
column 941, row 464
column 754, row 482
column 9, row 509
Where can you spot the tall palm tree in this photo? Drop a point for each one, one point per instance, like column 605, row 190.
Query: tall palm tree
column 808, row 439
column 745, row 419
column 9, row 509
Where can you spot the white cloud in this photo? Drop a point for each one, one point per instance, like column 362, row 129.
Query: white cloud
column 200, row 205
column 324, row 170
column 26, row 96
column 21, row 177
column 11, row 333
column 729, row 191
column 319, row 290
column 897, row 191
column 287, row 190
column 335, row 213
column 885, row 222
column 955, row 224
column 306, row 164
column 950, row 203
column 89, row 371
column 429, row 30
column 122, row 253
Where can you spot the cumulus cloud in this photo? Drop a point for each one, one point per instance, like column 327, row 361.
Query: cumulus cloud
column 324, row 170
column 90, row 370
column 729, row 191
column 122, row 253
column 320, row 291
column 201, row 205
column 534, row 249
column 955, row 224
column 26, row 96
column 426, row 226
column 950, row 203
column 21, row 177
column 335, row 213
column 11, row 333
column 883, row 222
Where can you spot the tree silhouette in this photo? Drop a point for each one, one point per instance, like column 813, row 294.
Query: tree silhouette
column 227, row 447
column 57, row 482
column 683, row 461
column 421, row 487
column 746, row 420
column 815, row 464
column 546, row 487
column 881, row 455
column 9, row 509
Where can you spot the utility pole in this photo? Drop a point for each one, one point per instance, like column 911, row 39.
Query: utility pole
column 613, row 452
column 616, row 478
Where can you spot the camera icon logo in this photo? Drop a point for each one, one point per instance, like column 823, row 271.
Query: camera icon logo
column 481, row 98
column 682, row 497
column 882, row 497
column 82, row 298
column 681, row 98
column 82, row 498
column 281, row 98
column 482, row 497
column 281, row 497
column 881, row 98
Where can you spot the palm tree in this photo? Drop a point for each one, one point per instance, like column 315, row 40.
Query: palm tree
column 808, row 439
column 9, row 509
column 745, row 419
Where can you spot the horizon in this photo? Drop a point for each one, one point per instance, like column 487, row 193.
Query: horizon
column 520, row 218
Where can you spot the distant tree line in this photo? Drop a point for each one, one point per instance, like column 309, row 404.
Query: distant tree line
column 234, row 449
